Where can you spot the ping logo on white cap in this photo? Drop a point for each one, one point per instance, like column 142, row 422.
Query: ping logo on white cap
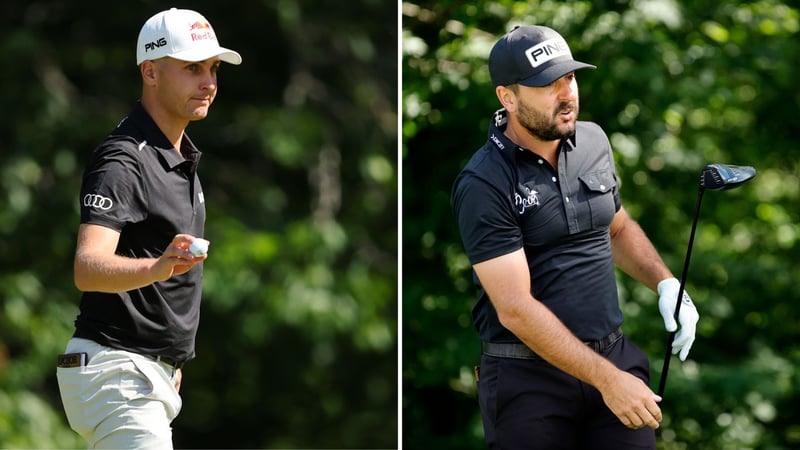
column 160, row 42
column 547, row 50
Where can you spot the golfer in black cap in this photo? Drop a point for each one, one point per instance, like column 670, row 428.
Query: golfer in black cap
column 539, row 211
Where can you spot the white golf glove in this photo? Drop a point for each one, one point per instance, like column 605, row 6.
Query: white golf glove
column 688, row 316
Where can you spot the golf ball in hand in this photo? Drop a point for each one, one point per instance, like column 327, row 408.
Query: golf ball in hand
column 199, row 247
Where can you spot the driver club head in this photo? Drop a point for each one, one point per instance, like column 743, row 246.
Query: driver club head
column 720, row 177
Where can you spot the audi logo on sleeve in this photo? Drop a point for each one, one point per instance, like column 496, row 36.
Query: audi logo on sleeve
column 97, row 201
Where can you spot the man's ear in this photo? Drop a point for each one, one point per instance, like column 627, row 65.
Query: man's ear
column 148, row 71
column 507, row 98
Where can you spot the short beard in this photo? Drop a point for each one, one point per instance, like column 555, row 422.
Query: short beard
column 543, row 127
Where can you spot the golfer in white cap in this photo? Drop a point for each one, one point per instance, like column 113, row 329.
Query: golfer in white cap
column 142, row 208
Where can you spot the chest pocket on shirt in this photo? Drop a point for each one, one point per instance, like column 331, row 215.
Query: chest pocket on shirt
column 599, row 190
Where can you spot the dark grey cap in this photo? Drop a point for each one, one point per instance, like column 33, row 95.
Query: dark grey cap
column 531, row 56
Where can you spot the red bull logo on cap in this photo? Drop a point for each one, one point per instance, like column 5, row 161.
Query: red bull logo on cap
column 200, row 25
column 202, row 31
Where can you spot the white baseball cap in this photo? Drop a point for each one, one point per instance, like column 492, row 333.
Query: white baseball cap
column 181, row 34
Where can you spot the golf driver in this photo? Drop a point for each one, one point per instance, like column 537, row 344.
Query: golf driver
column 715, row 177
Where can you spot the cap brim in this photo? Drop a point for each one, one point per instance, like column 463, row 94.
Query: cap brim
column 554, row 72
column 202, row 54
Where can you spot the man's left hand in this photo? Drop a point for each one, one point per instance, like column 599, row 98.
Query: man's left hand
column 688, row 316
column 178, row 379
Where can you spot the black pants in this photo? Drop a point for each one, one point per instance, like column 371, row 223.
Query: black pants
column 529, row 404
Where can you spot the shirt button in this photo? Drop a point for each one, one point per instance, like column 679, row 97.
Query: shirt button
column 554, row 179
column 603, row 187
column 541, row 162
column 566, row 199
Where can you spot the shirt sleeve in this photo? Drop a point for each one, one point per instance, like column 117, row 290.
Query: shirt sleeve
column 113, row 192
column 485, row 219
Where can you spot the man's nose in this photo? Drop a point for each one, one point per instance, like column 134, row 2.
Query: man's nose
column 567, row 87
column 209, row 80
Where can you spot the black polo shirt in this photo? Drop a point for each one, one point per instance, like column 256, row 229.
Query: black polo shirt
column 507, row 198
column 137, row 184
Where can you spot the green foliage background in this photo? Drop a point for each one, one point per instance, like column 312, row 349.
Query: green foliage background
column 678, row 85
column 297, row 345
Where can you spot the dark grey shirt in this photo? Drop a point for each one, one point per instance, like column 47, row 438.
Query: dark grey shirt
column 137, row 184
column 507, row 198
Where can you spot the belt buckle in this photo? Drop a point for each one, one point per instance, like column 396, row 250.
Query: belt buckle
column 170, row 362
column 601, row 345
column 69, row 360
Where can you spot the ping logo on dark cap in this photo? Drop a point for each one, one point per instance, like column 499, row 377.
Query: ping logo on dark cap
column 531, row 56
column 547, row 50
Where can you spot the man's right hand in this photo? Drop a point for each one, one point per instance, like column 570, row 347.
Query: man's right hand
column 632, row 401
column 176, row 259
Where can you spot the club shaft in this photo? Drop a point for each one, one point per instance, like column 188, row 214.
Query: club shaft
column 668, row 353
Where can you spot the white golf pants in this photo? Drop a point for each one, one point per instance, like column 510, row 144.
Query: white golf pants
column 119, row 400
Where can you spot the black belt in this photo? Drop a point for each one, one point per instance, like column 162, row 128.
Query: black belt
column 169, row 361
column 521, row 351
